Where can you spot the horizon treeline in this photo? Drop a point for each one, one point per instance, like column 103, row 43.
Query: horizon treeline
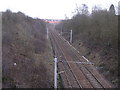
column 99, row 27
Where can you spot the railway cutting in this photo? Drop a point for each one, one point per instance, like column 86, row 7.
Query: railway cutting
column 75, row 70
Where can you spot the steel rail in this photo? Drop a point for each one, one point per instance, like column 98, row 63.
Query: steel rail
column 67, row 63
column 100, row 78
column 74, row 74
column 69, row 84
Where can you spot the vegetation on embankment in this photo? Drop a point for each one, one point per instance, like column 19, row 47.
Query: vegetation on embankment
column 24, row 43
column 95, row 35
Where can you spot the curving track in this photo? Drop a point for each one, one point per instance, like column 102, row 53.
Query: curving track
column 76, row 72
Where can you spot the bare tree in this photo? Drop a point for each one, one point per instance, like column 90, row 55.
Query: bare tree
column 85, row 9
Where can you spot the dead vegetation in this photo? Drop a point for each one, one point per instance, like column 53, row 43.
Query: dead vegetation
column 24, row 43
column 95, row 35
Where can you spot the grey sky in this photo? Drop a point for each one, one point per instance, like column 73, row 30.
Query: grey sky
column 52, row 9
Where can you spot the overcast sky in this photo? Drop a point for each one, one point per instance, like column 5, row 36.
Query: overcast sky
column 52, row 9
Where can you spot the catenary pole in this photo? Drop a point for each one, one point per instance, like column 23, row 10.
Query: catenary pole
column 70, row 36
column 55, row 73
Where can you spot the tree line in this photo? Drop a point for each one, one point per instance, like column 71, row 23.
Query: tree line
column 98, row 28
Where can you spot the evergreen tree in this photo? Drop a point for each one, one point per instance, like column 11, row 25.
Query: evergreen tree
column 112, row 9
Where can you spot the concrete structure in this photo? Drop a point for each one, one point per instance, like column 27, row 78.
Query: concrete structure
column 53, row 21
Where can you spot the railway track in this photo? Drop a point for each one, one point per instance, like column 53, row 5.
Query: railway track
column 75, row 71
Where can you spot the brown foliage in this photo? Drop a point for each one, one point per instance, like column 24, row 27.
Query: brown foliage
column 22, row 38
